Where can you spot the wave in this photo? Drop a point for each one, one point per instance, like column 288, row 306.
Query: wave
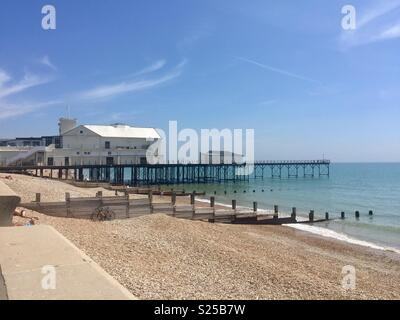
column 327, row 233
column 324, row 232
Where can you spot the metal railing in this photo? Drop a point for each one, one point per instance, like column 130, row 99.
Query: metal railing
column 292, row 162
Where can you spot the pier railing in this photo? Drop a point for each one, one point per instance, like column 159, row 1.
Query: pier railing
column 148, row 174
column 300, row 162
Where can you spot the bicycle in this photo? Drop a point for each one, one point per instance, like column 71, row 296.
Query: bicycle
column 103, row 214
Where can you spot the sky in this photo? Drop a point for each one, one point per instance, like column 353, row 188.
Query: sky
column 287, row 69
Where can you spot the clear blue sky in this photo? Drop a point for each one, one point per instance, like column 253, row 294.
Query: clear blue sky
column 285, row 68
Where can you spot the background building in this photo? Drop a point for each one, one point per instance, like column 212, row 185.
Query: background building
column 81, row 144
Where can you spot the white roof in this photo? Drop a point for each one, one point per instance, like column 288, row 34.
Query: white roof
column 123, row 131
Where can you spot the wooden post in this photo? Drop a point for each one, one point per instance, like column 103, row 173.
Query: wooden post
column 342, row 215
column 326, row 215
column 212, row 205
column 192, row 198
column 173, row 198
column 212, row 202
column 234, row 205
column 67, row 203
column 357, row 214
column 255, row 207
column 311, row 215
column 151, row 201
column 192, row 202
column 37, row 197
column 294, row 213
column 276, row 212
column 234, row 210
column 173, row 202
column 127, row 203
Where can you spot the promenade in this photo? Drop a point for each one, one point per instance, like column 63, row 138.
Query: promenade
column 28, row 256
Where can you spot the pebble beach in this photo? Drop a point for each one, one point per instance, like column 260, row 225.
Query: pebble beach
column 161, row 257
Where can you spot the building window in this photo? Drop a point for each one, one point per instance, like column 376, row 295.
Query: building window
column 81, row 132
column 107, row 145
column 109, row 161
column 58, row 142
column 77, row 153
column 50, row 161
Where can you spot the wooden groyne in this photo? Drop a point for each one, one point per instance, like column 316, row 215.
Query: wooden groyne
column 123, row 207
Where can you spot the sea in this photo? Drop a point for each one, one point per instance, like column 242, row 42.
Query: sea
column 350, row 187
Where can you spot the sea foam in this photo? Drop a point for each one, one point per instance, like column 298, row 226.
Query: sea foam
column 324, row 232
column 339, row 236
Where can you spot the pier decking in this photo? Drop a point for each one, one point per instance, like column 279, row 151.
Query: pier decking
column 147, row 174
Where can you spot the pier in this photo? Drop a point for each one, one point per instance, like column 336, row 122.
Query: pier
column 292, row 169
column 178, row 173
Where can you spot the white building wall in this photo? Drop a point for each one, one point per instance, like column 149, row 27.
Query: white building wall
column 82, row 138
column 81, row 146
column 66, row 124
column 77, row 157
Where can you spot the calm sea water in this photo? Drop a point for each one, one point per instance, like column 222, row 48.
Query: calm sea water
column 350, row 187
